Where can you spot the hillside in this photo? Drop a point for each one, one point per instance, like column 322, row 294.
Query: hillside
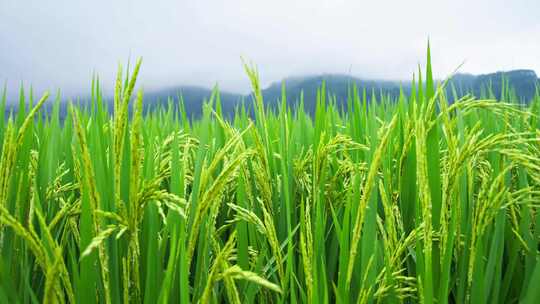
column 523, row 82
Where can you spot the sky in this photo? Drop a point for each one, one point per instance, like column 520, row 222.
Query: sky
column 59, row 44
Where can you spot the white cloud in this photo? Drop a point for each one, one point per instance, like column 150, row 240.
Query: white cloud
column 59, row 43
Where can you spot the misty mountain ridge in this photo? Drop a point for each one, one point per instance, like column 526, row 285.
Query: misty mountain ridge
column 523, row 82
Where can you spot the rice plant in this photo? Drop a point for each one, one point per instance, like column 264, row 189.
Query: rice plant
column 404, row 200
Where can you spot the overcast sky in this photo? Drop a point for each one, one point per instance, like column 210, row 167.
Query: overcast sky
column 58, row 44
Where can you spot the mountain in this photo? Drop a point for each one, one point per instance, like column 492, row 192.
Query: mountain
column 193, row 98
column 524, row 84
column 337, row 85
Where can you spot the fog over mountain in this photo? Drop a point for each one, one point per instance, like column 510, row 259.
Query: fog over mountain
column 339, row 86
column 59, row 44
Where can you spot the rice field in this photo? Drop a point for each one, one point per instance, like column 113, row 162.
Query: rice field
column 404, row 200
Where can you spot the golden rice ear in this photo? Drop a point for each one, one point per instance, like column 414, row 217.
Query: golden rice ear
column 214, row 275
column 90, row 187
column 212, row 196
column 237, row 273
column 11, row 146
column 367, row 188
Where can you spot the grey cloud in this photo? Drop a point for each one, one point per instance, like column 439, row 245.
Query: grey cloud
column 59, row 44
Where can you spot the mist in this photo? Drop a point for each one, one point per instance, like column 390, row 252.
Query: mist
column 61, row 44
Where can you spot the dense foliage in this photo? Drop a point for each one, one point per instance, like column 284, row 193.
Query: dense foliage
column 408, row 199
